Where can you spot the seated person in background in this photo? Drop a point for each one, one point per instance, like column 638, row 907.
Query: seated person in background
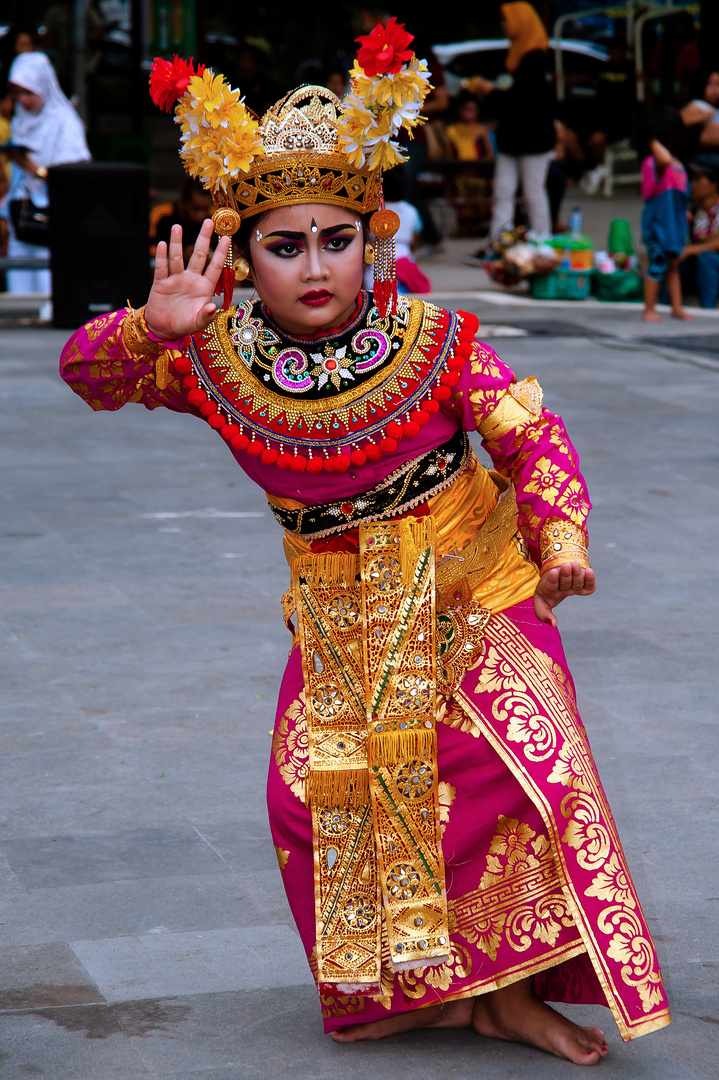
column 410, row 279
column 704, row 231
column 336, row 80
column 702, row 114
column 469, row 139
column 190, row 210
column 611, row 116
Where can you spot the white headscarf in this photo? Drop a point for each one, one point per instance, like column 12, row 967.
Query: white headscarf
column 55, row 133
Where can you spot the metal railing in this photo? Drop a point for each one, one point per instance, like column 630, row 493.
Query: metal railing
column 21, row 262
column 624, row 12
column 656, row 11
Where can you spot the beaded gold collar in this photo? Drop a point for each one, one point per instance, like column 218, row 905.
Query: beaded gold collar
column 319, row 403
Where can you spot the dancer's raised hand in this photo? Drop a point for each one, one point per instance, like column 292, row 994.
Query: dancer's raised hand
column 180, row 301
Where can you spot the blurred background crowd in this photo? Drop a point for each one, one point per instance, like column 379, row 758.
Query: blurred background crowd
column 533, row 106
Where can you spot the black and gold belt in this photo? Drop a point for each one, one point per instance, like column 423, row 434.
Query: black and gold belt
column 409, row 486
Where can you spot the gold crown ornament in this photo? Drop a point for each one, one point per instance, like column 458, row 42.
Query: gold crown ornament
column 308, row 147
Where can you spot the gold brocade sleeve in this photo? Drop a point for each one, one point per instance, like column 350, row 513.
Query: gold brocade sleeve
column 562, row 541
column 113, row 360
column 528, row 445
column 137, row 341
column 521, row 404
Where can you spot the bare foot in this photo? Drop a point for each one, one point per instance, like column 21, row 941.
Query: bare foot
column 651, row 316
column 452, row 1014
column 680, row 313
column 516, row 1014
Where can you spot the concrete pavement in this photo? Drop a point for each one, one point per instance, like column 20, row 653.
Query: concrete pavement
column 143, row 926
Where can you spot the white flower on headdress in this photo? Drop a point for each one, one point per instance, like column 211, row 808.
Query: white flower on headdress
column 367, row 136
column 375, row 111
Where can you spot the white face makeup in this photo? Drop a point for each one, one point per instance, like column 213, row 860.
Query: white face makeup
column 307, row 266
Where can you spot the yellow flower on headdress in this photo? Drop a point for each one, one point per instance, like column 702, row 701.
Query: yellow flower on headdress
column 377, row 108
column 366, row 135
column 409, row 86
column 220, row 138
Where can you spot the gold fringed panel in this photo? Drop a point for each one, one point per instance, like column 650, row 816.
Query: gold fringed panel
column 333, row 568
column 348, row 903
column 398, row 606
column 334, row 787
column 400, row 669
column 347, row 899
column 391, row 748
column 370, row 674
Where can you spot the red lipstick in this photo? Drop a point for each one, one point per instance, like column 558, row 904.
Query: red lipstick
column 316, row 298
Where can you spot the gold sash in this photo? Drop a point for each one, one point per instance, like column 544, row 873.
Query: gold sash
column 370, row 671
column 380, row 634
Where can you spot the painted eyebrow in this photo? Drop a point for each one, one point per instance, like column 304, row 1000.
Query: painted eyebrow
column 303, row 236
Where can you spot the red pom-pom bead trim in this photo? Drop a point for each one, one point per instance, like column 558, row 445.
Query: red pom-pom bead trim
column 197, row 397
column 183, row 364
column 394, row 431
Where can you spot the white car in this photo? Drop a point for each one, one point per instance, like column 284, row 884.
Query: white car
column 486, row 57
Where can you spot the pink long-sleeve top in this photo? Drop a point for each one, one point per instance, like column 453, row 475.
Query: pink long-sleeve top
column 528, row 444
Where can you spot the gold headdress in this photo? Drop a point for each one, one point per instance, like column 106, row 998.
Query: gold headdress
column 309, row 147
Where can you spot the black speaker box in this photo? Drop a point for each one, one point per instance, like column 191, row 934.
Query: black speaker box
column 99, row 254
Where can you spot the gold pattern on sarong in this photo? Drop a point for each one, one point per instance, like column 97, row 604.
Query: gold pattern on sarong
column 533, row 720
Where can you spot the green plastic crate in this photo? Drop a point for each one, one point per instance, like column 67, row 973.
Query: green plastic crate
column 621, row 285
column 562, row 285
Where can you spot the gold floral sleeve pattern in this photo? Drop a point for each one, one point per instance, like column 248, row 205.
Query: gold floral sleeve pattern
column 113, row 360
column 527, row 443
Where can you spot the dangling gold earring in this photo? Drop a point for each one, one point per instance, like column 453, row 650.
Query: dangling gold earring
column 242, row 269
column 368, row 254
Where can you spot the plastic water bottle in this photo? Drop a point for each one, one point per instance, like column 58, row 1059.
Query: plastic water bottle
column 576, row 222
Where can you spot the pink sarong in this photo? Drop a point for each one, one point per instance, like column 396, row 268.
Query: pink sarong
column 536, row 878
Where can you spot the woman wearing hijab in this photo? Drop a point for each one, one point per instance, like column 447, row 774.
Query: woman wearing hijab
column 525, row 132
column 46, row 123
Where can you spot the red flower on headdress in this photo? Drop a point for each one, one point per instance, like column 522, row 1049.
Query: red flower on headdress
column 385, row 50
column 169, row 80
